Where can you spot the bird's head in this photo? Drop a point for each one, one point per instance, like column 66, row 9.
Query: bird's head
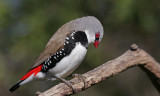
column 95, row 35
column 92, row 27
column 94, row 31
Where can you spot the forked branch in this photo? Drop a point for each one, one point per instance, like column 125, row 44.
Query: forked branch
column 133, row 57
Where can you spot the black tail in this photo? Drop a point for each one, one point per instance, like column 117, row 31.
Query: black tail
column 16, row 86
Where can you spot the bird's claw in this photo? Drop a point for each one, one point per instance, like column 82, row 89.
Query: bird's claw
column 67, row 82
column 81, row 77
column 70, row 85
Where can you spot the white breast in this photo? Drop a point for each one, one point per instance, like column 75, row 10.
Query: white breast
column 69, row 63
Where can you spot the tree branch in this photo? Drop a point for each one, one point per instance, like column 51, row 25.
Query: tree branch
column 133, row 57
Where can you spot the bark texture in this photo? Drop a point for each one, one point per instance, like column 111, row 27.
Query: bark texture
column 133, row 57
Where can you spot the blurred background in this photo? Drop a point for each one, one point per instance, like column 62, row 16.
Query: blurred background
column 27, row 25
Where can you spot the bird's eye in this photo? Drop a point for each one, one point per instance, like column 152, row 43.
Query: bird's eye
column 97, row 35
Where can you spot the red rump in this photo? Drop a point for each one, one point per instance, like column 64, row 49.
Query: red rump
column 34, row 70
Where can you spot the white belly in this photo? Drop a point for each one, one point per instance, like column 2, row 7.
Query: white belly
column 69, row 63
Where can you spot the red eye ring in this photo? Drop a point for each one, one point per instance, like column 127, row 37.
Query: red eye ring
column 97, row 35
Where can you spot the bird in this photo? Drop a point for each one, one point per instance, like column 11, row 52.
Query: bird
column 65, row 51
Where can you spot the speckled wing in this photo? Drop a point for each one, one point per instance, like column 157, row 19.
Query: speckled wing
column 55, row 43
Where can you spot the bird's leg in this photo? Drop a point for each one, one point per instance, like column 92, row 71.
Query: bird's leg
column 66, row 82
column 81, row 77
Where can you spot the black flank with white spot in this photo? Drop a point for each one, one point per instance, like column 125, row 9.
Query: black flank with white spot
column 69, row 45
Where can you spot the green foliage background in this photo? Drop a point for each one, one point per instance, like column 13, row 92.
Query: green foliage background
column 27, row 25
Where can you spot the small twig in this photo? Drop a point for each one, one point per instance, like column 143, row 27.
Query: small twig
column 130, row 58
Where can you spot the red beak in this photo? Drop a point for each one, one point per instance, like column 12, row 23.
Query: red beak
column 96, row 43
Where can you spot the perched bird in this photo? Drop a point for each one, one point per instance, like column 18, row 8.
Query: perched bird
column 65, row 50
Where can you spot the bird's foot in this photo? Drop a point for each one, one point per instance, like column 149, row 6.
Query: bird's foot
column 83, row 78
column 67, row 82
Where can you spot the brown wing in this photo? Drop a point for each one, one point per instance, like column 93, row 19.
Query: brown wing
column 55, row 43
